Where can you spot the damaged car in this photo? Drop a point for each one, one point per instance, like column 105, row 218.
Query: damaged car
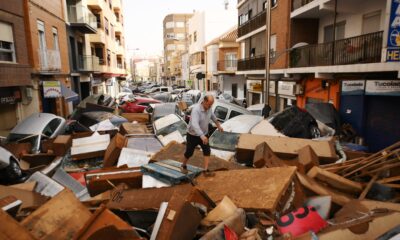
column 10, row 171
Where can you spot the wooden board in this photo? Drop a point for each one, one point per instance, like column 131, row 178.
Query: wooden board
column 320, row 189
column 138, row 117
column 335, row 181
column 252, row 189
column 30, row 200
column 175, row 152
column 11, row 229
column 60, row 218
column 285, row 147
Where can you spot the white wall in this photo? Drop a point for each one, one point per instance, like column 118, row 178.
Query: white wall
column 185, row 66
column 212, row 58
column 353, row 17
column 227, row 81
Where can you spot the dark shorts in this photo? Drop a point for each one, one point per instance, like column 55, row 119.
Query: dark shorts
column 191, row 144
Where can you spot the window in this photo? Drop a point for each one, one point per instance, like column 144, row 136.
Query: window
column 221, row 112
column 42, row 38
column 98, row 19
column 108, row 57
column 55, row 39
column 230, row 60
column 234, row 90
column 195, row 36
column 7, row 51
column 99, row 53
column 106, row 25
column 234, row 114
column 110, row 3
column 170, row 36
column 180, row 24
column 190, row 39
column 180, row 36
column 245, row 17
column 340, row 31
column 51, row 127
column 116, row 16
column 169, row 25
column 371, row 22
column 273, row 46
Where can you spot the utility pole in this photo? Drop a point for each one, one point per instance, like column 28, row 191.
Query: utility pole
column 265, row 87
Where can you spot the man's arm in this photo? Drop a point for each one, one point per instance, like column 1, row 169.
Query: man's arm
column 215, row 120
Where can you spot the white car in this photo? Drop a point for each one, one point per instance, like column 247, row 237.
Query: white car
column 35, row 128
column 223, row 143
column 10, row 171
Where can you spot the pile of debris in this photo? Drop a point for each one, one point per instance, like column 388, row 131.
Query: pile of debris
column 126, row 183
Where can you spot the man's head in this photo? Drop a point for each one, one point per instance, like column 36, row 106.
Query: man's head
column 208, row 101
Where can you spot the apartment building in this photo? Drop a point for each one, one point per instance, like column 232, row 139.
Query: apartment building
column 17, row 100
column 350, row 60
column 204, row 26
column 175, row 28
column 221, row 64
column 48, row 54
column 108, row 44
column 80, row 22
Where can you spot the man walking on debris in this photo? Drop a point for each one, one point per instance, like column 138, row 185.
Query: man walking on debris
column 197, row 133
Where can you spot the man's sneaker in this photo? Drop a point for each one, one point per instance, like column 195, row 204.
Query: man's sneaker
column 208, row 173
column 184, row 169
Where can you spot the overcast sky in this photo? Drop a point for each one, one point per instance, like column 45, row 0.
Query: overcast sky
column 144, row 18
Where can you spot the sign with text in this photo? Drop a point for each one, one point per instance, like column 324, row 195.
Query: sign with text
column 393, row 51
column 52, row 89
column 9, row 95
column 383, row 87
column 353, row 87
column 286, row 88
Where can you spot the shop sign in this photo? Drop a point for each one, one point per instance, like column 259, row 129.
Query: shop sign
column 393, row 51
column 383, row 87
column 272, row 87
column 96, row 81
column 109, row 82
column 254, row 85
column 52, row 89
column 9, row 96
column 353, row 87
column 286, row 88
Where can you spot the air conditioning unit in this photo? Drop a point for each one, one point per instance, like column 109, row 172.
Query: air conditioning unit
column 298, row 89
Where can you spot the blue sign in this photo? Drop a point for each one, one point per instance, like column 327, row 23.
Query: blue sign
column 393, row 52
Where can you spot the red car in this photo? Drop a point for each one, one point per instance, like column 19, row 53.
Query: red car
column 137, row 104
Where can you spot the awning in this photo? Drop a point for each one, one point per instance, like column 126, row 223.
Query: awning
column 68, row 94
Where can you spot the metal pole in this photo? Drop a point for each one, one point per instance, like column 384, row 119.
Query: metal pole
column 334, row 33
column 265, row 87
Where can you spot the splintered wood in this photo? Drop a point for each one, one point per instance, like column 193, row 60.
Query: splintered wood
column 386, row 161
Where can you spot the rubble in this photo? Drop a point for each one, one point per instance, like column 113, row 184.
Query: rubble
column 127, row 183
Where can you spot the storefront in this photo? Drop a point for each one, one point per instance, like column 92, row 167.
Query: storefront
column 9, row 98
column 318, row 90
column 371, row 107
column 57, row 98
column 254, row 95
column 286, row 95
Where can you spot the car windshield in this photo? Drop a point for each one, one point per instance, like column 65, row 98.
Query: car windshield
column 23, row 138
column 181, row 126
column 224, row 140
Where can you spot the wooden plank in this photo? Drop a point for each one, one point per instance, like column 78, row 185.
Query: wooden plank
column 389, row 180
column 138, row 117
column 176, row 150
column 368, row 187
column 311, row 184
column 385, row 167
column 60, row 218
column 11, row 229
column 30, row 200
column 286, row 147
column 28, row 186
column 335, row 180
column 252, row 189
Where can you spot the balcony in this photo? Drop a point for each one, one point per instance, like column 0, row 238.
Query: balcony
column 81, row 19
column 360, row 49
column 296, row 4
column 117, row 5
column 229, row 66
column 118, row 28
column 119, row 49
column 253, row 63
column 88, row 63
column 95, row 4
column 49, row 60
column 99, row 37
column 253, row 24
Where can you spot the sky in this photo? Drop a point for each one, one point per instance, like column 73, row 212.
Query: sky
column 144, row 19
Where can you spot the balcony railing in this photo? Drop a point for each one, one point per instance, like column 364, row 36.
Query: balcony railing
column 82, row 18
column 252, row 63
column 299, row 3
column 88, row 63
column 49, row 60
column 253, row 24
column 227, row 65
column 361, row 49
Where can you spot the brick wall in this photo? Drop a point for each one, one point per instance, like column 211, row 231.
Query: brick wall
column 15, row 74
column 280, row 19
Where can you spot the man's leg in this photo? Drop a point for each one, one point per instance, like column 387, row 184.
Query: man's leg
column 206, row 161
column 191, row 144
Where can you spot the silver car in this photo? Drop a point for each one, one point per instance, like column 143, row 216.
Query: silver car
column 35, row 128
